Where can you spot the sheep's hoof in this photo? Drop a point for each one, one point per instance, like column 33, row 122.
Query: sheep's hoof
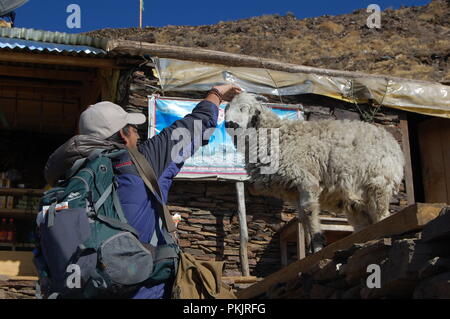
column 317, row 242
column 317, row 248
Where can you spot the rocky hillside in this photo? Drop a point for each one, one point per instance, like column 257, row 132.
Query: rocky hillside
column 413, row 42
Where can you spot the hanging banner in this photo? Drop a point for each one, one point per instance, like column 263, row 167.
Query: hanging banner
column 218, row 160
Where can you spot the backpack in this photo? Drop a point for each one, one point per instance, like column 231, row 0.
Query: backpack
column 85, row 246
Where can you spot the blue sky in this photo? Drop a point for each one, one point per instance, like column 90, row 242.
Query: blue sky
column 97, row 14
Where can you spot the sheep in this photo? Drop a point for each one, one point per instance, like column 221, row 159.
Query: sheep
column 340, row 166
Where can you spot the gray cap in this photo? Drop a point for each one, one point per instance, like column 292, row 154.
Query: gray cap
column 105, row 119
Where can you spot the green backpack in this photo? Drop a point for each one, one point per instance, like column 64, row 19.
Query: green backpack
column 86, row 248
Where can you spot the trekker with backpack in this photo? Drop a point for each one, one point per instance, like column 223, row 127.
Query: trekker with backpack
column 104, row 229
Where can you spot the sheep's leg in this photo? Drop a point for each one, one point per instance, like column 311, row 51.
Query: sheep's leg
column 308, row 210
column 359, row 219
column 378, row 203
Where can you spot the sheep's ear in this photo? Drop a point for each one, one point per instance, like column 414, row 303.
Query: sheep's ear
column 255, row 118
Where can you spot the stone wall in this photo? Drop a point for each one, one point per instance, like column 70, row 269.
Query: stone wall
column 412, row 265
column 210, row 225
column 16, row 289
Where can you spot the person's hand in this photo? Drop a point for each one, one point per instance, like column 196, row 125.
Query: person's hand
column 228, row 91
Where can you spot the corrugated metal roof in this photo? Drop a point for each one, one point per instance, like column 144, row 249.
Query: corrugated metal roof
column 53, row 37
column 11, row 43
column 22, row 39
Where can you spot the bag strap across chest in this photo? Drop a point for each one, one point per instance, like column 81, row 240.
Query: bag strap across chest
column 148, row 175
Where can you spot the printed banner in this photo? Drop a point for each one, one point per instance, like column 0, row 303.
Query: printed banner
column 219, row 159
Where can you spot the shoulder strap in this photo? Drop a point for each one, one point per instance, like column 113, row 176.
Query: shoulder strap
column 148, row 176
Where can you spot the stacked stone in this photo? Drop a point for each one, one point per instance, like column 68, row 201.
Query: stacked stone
column 17, row 289
column 412, row 265
column 209, row 228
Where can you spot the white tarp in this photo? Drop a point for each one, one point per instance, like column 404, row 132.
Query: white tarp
column 415, row 96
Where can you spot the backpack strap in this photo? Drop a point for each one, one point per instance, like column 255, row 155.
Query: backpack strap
column 95, row 153
column 149, row 177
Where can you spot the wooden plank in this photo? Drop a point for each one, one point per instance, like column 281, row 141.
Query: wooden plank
column 39, row 73
column 407, row 152
column 18, row 213
column 240, row 279
column 243, row 253
column 23, row 278
column 17, row 263
column 411, row 218
column 445, row 140
column 21, row 191
column 57, row 60
column 343, row 228
column 42, row 84
column 333, row 219
column 289, row 231
column 433, row 162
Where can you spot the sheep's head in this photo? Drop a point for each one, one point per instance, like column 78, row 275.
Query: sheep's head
column 242, row 111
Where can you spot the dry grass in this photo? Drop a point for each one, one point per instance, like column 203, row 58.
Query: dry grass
column 413, row 42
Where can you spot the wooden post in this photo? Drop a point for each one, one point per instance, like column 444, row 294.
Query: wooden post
column 283, row 249
column 141, row 7
column 409, row 183
column 301, row 245
column 243, row 229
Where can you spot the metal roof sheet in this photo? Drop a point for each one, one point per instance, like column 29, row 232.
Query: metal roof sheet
column 50, row 41
column 11, row 43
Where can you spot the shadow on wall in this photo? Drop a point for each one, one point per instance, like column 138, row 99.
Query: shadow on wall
column 209, row 228
column 265, row 217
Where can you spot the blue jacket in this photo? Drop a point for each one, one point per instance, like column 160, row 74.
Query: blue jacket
column 138, row 203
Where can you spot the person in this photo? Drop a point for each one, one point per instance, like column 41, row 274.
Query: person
column 104, row 124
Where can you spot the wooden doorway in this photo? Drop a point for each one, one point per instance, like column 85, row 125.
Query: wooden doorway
column 434, row 141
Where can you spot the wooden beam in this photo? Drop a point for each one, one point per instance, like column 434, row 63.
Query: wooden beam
column 45, row 84
column 137, row 48
column 411, row 218
column 290, row 230
column 243, row 229
column 407, row 152
column 39, row 73
column 23, row 278
column 8, row 56
column 240, row 279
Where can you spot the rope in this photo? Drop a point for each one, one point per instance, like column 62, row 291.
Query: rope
column 382, row 100
column 273, row 80
column 368, row 117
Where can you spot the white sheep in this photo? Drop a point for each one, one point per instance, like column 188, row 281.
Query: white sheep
column 343, row 166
